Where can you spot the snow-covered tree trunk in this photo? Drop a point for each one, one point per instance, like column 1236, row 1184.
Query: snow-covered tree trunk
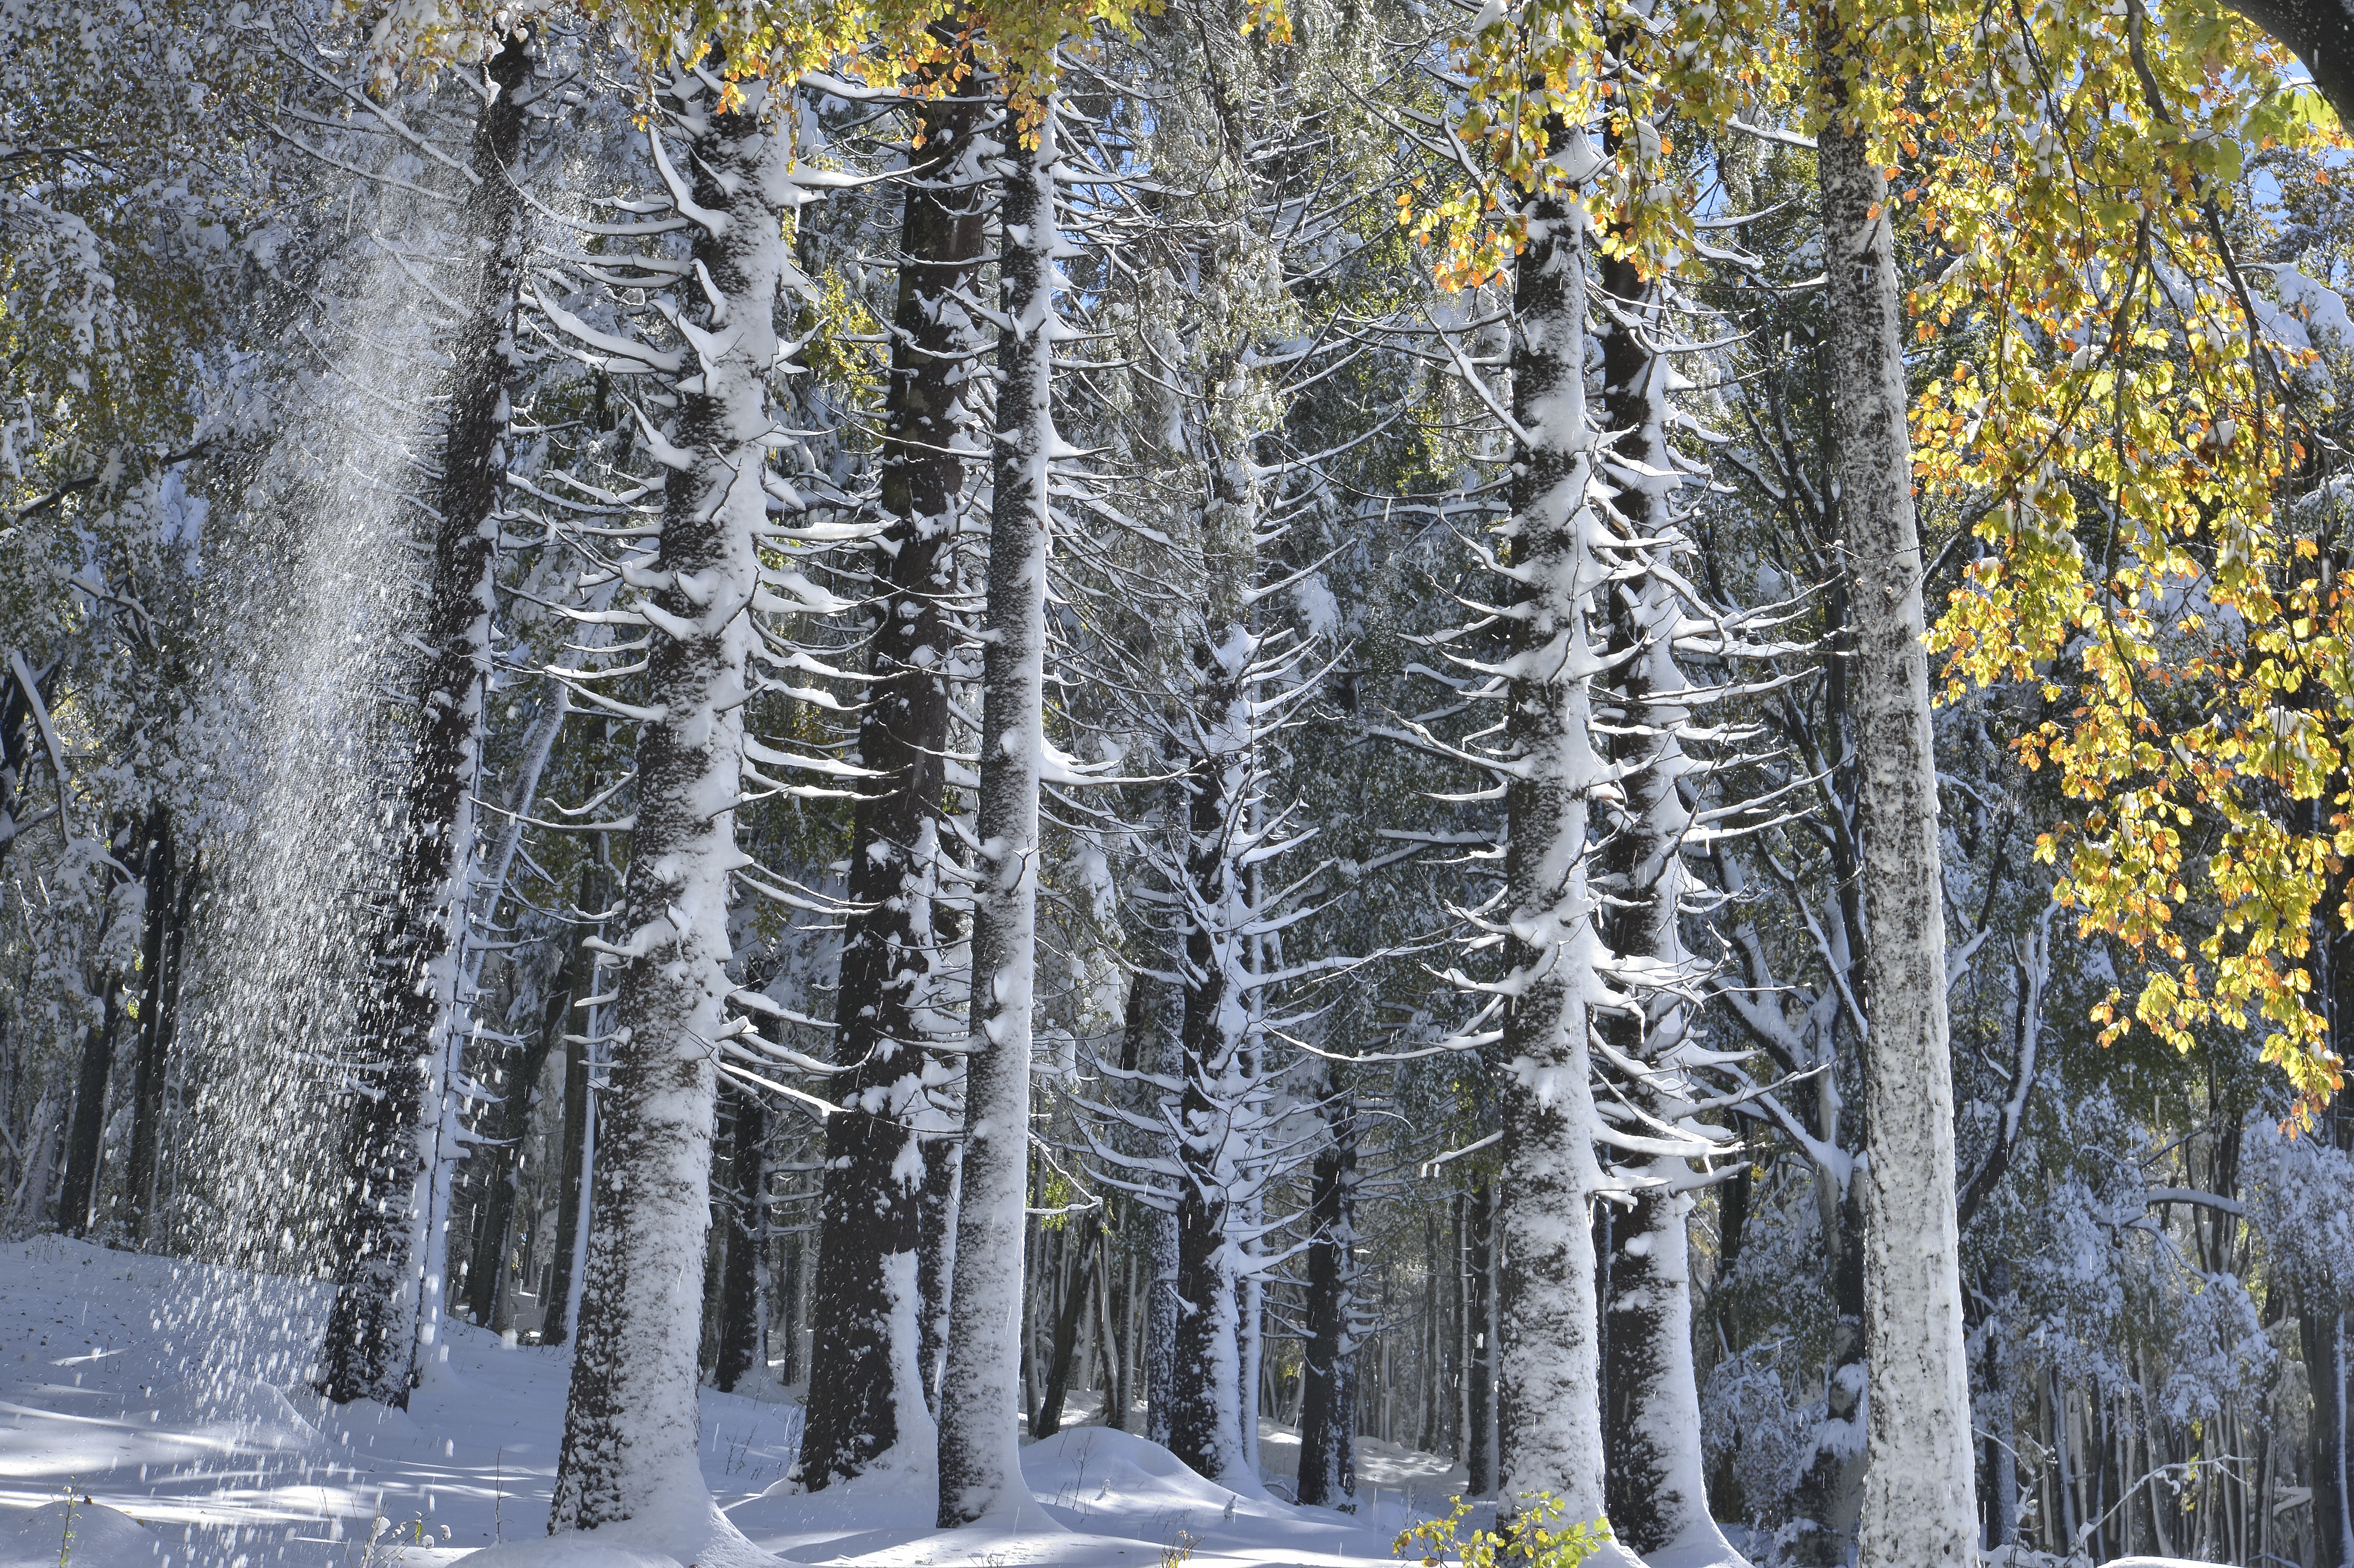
column 980, row 1453
column 1206, row 1398
column 409, row 1021
column 871, row 1209
column 1163, row 1055
column 743, row 1296
column 631, row 1426
column 1655, row 1480
column 1552, row 1419
column 1920, row 1504
column 1328, row 1412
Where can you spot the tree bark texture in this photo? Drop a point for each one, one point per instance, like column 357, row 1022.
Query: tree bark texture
column 743, row 1296
column 889, row 1009
column 79, row 1191
column 1078, row 1294
column 1207, row 1391
column 1920, row 1505
column 523, row 1064
column 935, row 1210
column 1328, row 1412
column 2323, row 1332
column 406, row 1019
column 1552, row 1423
column 157, row 955
column 572, row 1191
column 1481, row 1446
column 1213, row 1426
column 631, row 1426
column 980, row 1453
column 1655, row 1481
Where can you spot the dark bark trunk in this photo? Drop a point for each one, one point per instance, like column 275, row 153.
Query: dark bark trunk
column 365, row 1354
column 1480, row 1462
column 1078, row 1294
column 788, row 1292
column 1328, row 1412
column 868, row 1209
column 1206, row 1393
column 82, row 1154
column 2320, row 33
column 1830, row 1492
column 572, row 1190
column 935, row 1261
column 510, row 1122
column 2322, row 1330
column 18, row 731
column 744, row 1304
column 1158, row 1042
column 156, row 960
column 2002, row 1465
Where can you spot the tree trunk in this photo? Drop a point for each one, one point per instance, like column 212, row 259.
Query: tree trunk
column 1213, row 1426
column 1481, row 1446
column 980, row 1453
column 1552, row 1420
column 743, row 1302
column 866, row 1336
column 1656, row 1483
column 580, row 1111
column 156, row 948
column 407, row 1022
column 2002, row 1458
column 1328, row 1412
column 83, row 1153
column 2323, row 1332
column 503, row 1158
column 1164, row 1044
column 935, row 1210
column 631, row 1424
column 1920, row 1507
column 1078, row 1294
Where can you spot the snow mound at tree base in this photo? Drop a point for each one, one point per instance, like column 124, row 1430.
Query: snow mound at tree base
column 1713, row 1552
column 103, row 1538
column 574, row 1549
column 691, row 1533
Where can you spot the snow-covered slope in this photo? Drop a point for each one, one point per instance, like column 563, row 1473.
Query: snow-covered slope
column 169, row 1394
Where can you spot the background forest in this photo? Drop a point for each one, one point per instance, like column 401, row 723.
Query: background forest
column 1178, row 716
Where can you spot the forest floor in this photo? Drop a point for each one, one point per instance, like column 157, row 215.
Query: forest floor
column 159, row 1390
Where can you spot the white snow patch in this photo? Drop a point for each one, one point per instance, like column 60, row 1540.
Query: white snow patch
column 101, row 1538
column 192, row 1466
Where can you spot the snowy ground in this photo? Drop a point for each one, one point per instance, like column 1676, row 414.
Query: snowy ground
column 159, row 1390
